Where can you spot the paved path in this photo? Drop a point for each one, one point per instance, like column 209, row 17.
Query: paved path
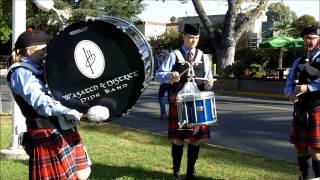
column 258, row 126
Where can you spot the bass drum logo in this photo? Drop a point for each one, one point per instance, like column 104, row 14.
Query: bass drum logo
column 89, row 59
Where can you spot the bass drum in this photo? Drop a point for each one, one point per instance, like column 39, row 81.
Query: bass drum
column 103, row 61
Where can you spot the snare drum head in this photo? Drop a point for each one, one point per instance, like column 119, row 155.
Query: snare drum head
column 95, row 63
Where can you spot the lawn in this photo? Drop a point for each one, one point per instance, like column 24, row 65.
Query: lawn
column 122, row 153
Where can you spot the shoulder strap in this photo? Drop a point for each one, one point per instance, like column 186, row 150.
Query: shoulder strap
column 25, row 65
column 21, row 64
column 179, row 55
column 199, row 55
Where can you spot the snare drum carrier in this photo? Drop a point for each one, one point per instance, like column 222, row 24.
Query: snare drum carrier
column 103, row 61
column 194, row 107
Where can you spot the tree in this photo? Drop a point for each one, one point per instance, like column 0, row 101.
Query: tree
column 5, row 20
column 48, row 21
column 170, row 39
column 302, row 22
column 234, row 25
column 173, row 19
column 282, row 29
column 279, row 12
column 125, row 9
column 282, row 17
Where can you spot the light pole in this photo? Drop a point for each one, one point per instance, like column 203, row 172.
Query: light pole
column 18, row 120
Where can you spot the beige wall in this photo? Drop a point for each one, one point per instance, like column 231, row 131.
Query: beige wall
column 152, row 29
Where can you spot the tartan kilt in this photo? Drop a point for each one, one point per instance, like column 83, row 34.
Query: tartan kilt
column 199, row 132
column 307, row 134
column 56, row 154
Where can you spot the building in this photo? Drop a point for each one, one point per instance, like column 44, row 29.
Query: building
column 251, row 38
column 153, row 29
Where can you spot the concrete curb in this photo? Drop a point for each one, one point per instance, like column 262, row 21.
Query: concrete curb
column 155, row 85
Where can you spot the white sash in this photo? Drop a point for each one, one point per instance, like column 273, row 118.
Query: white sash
column 182, row 60
column 26, row 65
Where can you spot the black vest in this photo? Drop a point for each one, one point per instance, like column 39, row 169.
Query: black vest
column 198, row 70
column 33, row 119
column 305, row 73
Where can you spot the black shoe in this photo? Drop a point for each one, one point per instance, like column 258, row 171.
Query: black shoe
column 176, row 175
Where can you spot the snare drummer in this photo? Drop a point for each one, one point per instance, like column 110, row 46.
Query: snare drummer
column 172, row 70
column 52, row 140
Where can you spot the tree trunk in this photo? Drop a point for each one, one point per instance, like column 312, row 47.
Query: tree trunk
column 234, row 25
column 225, row 58
column 280, row 58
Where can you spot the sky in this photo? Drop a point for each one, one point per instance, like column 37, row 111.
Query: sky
column 162, row 12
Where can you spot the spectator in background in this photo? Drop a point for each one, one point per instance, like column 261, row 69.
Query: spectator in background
column 163, row 89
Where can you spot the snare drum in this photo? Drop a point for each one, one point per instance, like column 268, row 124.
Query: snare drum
column 196, row 109
column 102, row 61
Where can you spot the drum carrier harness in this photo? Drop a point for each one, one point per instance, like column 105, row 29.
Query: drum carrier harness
column 33, row 119
column 180, row 66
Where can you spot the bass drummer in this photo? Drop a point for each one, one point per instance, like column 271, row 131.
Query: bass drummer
column 52, row 141
column 172, row 70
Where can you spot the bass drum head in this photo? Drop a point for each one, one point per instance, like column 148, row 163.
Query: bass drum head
column 95, row 63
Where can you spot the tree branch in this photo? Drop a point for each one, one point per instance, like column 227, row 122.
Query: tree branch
column 249, row 18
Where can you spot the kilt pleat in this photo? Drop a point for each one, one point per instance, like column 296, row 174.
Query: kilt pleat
column 307, row 134
column 199, row 132
column 57, row 154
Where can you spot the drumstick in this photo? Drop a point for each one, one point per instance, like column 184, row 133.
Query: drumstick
column 205, row 79
column 183, row 72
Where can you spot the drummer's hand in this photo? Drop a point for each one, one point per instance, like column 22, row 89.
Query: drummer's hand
column 175, row 76
column 73, row 115
column 209, row 82
column 81, row 116
column 300, row 89
column 293, row 98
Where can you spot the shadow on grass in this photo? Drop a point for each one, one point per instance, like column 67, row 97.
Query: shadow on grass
column 101, row 171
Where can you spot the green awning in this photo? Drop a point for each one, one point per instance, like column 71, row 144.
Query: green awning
column 298, row 42
column 281, row 41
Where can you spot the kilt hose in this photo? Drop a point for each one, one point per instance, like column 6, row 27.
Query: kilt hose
column 199, row 132
column 308, row 133
column 56, row 154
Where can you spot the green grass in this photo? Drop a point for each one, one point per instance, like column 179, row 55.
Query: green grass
column 122, row 153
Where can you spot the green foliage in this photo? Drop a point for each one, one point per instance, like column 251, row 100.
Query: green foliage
column 5, row 20
column 172, row 40
column 249, row 60
column 254, row 71
column 279, row 12
column 38, row 19
column 301, row 23
column 282, row 28
column 126, row 9
column 168, row 40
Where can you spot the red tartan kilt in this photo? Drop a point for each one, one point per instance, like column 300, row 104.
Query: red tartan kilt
column 200, row 132
column 56, row 155
column 310, row 136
